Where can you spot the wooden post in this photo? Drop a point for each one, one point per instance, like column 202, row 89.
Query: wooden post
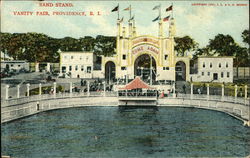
column 28, row 89
column 222, row 92
column 235, row 93
column 207, row 91
column 40, row 89
column 192, row 85
column 7, row 92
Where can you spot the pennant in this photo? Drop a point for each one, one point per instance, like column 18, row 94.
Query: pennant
column 126, row 9
column 156, row 19
column 115, row 9
column 166, row 18
column 169, row 8
column 157, row 7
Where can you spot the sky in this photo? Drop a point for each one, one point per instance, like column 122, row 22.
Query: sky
column 199, row 22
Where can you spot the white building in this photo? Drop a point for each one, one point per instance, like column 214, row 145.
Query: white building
column 15, row 65
column 214, row 69
column 77, row 64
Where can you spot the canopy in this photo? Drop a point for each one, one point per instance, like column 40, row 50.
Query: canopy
column 137, row 83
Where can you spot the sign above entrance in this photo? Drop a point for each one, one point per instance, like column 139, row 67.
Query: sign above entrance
column 145, row 48
column 145, row 40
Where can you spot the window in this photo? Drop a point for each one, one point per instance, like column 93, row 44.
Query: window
column 11, row 65
column 166, row 57
column 219, row 64
column 82, row 68
column 65, row 56
column 70, row 68
column 202, row 73
column 123, row 68
column 228, row 74
column 72, row 57
column 167, row 68
column 80, row 57
column 87, row 58
column 164, row 68
column 226, row 64
column 208, row 73
column 124, row 57
column 204, row 64
column 63, row 69
column 19, row 65
column 211, row 65
column 76, row 67
column 89, row 69
column 222, row 74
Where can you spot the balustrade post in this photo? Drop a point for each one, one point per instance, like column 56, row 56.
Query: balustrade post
column 7, row 92
column 192, row 86
column 54, row 92
column 40, row 89
column 222, row 92
column 18, row 91
column 36, row 67
column 207, row 91
column 88, row 88
column 28, row 89
column 174, row 95
column 235, row 93
column 70, row 87
column 104, row 89
column 246, row 95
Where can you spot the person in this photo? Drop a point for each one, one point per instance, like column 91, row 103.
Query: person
column 184, row 88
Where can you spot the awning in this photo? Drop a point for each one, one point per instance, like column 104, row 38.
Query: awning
column 137, row 83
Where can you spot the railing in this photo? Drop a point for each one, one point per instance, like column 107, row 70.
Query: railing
column 137, row 94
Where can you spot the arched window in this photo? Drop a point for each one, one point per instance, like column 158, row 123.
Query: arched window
column 226, row 64
column 204, row 64
column 219, row 64
column 211, row 65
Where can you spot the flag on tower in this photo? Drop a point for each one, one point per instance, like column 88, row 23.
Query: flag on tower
column 127, row 8
column 169, row 8
column 156, row 18
column 157, row 7
column 115, row 9
column 166, row 18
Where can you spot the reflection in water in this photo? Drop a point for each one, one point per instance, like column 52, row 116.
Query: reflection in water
column 126, row 132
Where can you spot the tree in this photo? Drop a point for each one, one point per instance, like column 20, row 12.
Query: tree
column 202, row 52
column 105, row 45
column 222, row 45
column 184, row 44
column 245, row 36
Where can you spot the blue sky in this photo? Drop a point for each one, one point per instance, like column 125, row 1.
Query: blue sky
column 200, row 22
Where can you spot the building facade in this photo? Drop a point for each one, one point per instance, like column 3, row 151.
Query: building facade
column 77, row 64
column 214, row 69
column 150, row 57
column 146, row 56
column 14, row 65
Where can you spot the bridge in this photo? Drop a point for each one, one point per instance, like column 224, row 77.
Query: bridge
column 16, row 108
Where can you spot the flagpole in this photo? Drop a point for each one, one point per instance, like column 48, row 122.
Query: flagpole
column 160, row 11
column 172, row 11
column 118, row 12
column 129, row 12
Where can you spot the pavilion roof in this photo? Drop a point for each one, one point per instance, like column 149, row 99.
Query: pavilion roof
column 137, row 83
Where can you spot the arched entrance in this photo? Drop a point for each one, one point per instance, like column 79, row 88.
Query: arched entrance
column 110, row 71
column 142, row 66
column 180, row 71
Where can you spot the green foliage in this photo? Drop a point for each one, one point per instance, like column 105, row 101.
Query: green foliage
column 245, row 36
column 37, row 47
column 184, row 44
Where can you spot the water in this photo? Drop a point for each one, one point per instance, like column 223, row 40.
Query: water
column 119, row 132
